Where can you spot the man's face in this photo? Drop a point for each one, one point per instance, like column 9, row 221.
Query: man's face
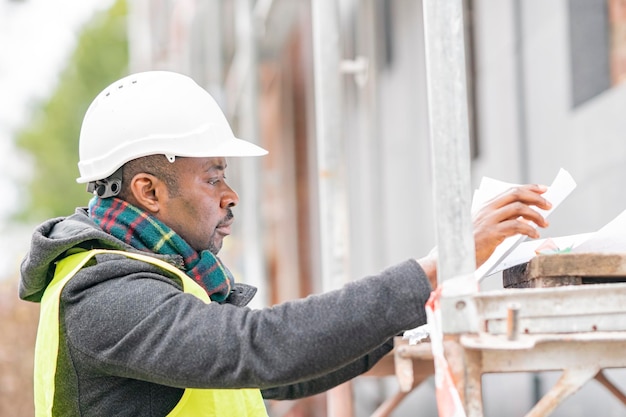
column 200, row 212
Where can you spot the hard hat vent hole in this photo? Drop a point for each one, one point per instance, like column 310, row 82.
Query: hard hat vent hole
column 108, row 93
column 120, row 86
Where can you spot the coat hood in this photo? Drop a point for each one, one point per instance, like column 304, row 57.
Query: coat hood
column 50, row 242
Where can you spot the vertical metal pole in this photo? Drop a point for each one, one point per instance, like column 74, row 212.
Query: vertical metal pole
column 253, row 262
column 333, row 206
column 524, row 151
column 520, row 90
column 449, row 130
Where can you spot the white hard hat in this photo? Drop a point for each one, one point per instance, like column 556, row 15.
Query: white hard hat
column 149, row 113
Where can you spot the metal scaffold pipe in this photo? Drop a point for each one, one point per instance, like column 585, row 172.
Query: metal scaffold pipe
column 332, row 199
column 253, row 262
column 449, row 131
column 333, row 206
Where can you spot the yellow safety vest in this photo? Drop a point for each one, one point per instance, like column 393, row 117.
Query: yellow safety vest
column 194, row 402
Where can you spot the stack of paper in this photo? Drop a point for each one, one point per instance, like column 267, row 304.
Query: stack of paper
column 610, row 238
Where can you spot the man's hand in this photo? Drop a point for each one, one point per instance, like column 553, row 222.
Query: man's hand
column 507, row 215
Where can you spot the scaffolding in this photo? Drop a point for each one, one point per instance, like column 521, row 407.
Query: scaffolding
column 515, row 330
column 512, row 330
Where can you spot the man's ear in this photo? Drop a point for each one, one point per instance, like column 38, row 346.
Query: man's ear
column 146, row 190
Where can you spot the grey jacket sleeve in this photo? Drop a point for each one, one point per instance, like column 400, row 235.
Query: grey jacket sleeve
column 125, row 318
column 331, row 380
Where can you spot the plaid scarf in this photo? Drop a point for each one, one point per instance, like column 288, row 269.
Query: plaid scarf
column 145, row 232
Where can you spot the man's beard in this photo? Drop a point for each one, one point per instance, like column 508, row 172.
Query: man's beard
column 212, row 248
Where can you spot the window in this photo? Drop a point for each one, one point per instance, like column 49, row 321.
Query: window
column 589, row 33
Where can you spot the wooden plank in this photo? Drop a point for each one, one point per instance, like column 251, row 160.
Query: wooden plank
column 567, row 269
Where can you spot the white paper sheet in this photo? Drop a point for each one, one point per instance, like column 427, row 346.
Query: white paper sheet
column 610, row 238
column 528, row 250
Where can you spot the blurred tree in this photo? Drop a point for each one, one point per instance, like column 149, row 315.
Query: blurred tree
column 100, row 57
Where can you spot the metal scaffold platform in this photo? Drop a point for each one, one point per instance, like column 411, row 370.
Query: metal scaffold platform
column 577, row 329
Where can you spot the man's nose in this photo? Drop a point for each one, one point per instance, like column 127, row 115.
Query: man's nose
column 229, row 198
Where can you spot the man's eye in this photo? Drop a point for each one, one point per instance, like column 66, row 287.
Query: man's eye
column 214, row 181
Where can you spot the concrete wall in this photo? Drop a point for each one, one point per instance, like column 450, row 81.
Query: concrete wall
column 395, row 180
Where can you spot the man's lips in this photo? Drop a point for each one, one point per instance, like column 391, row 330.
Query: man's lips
column 224, row 227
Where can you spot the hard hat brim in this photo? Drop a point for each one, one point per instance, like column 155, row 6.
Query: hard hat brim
column 233, row 147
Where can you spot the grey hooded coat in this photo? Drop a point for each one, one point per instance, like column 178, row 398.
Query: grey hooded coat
column 131, row 340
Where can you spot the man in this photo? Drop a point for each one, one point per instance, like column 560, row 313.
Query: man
column 140, row 318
